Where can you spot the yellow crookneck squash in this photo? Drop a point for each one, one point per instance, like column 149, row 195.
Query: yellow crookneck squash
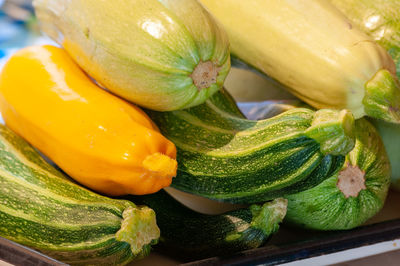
column 101, row 141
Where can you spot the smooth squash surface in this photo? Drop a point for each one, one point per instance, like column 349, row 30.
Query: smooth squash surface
column 98, row 139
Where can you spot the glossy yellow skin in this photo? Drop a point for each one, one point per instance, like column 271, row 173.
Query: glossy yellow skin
column 98, row 139
column 307, row 45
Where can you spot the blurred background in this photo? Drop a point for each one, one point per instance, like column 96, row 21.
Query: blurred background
column 18, row 27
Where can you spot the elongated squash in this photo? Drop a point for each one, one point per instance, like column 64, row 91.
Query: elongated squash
column 225, row 157
column 163, row 55
column 350, row 197
column 380, row 19
column 311, row 48
column 43, row 209
column 100, row 140
column 193, row 235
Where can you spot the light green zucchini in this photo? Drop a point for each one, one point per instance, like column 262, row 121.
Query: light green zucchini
column 193, row 235
column 160, row 54
column 225, row 157
column 42, row 209
column 348, row 198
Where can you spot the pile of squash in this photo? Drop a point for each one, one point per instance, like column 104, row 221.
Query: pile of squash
column 133, row 101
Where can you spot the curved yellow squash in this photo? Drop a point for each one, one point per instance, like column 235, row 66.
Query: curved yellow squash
column 161, row 54
column 98, row 139
column 310, row 47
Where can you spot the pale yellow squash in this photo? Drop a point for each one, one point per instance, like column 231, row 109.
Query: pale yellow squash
column 311, row 48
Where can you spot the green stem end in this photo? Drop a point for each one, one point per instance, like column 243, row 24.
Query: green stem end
column 267, row 217
column 139, row 229
column 333, row 130
column 382, row 97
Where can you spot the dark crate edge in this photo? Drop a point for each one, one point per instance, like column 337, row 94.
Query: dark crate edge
column 331, row 243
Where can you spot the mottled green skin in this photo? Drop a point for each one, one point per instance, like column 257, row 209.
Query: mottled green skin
column 225, row 157
column 325, row 207
column 194, row 235
column 382, row 96
column 43, row 209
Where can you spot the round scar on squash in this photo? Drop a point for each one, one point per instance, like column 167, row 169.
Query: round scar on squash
column 351, row 181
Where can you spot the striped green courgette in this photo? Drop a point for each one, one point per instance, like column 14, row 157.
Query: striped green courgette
column 350, row 197
column 41, row 208
column 225, row 157
column 190, row 234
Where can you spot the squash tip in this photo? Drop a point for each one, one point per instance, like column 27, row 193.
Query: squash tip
column 161, row 164
column 382, row 97
column 138, row 228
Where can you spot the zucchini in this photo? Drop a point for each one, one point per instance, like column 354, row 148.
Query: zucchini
column 312, row 49
column 163, row 55
column 41, row 208
column 225, row 157
column 190, row 234
column 380, row 19
column 348, row 198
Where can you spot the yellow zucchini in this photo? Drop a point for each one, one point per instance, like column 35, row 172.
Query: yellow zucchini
column 311, row 48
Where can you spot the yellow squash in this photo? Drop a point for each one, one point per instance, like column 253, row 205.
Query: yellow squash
column 98, row 139
column 311, row 48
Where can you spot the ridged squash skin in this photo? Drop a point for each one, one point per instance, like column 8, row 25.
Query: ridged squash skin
column 311, row 48
column 350, row 197
column 43, row 209
column 225, row 157
column 189, row 234
column 101, row 141
column 163, row 55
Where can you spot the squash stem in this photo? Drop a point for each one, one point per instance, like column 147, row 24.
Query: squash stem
column 333, row 130
column 382, row 97
column 268, row 216
column 139, row 229
column 160, row 164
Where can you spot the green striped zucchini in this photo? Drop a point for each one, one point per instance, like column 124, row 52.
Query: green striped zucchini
column 225, row 157
column 41, row 208
column 190, row 234
column 348, row 198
